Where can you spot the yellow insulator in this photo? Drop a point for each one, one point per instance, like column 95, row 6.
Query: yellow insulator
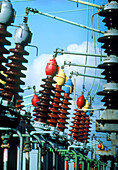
column 86, row 106
column 2, row 82
column 102, row 147
column 2, row 72
column 60, row 78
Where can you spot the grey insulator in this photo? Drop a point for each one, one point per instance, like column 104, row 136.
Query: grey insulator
column 23, row 35
column 7, row 13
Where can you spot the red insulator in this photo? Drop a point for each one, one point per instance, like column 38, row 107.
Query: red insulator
column 42, row 110
column 53, row 116
column 3, row 50
column 63, row 112
column 13, row 82
column 99, row 145
column 80, row 101
column 34, row 100
column 52, row 67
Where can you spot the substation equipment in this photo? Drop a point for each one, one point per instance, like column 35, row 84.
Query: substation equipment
column 45, row 129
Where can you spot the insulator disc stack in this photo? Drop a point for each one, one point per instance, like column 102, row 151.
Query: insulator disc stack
column 60, row 79
column 110, row 63
column 54, row 110
column 63, row 112
column 44, row 105
column 77, row 127
column 3, row 50
column 42, row 110
column 19, row 104
column 7, row 15
column 80, row 128
column 13, row 81
column 86, row 127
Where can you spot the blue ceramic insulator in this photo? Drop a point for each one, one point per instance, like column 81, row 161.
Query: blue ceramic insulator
column 68, row 87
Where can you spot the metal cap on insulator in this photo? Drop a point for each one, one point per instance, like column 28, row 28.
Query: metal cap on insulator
column 22, row 34
column 7, row 13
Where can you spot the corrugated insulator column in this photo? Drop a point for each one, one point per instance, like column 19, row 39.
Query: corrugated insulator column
column 78, row 123
column 86, row 127
column 42, row 110
column 110, row 64
column 77, row 128
column 7, row 15
column 60, row 79
column 13, row 81
column 55, row 109
column 68, row 88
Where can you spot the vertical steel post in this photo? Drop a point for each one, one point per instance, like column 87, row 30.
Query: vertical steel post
column 5, row 158
column 54, row 160
column 27, row 158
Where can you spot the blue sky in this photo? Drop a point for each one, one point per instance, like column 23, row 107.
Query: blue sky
column 49, row 34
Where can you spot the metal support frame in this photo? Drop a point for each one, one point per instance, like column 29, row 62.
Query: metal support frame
column 61, row 19
column 21, row 144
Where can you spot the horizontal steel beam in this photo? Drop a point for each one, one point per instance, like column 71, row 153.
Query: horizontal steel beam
column 79, row 53
column 79, row 65
column 85, row 75
column 88, row 3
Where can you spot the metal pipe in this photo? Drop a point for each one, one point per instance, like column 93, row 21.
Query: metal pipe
column 39, row 154
column 39, row 149
column 86, row 75
column 63, row 20
column 28, row 96
column 21, row 144
column 78, row 53
column 80, row 65
column 75, row 159
column 95, row 59
column 5, row 158
column 34, row 47
column 27, row 160
column 83, row 165
column 89, row 4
